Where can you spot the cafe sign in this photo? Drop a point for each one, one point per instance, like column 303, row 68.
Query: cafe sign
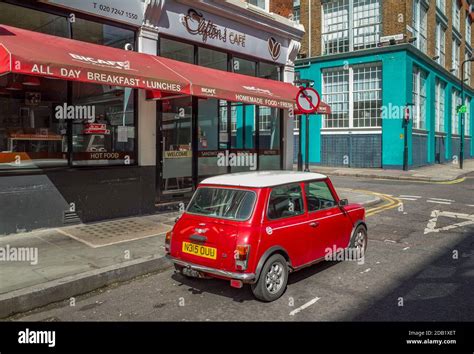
column 190, row 23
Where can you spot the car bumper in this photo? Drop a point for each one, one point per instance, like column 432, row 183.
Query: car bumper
column 245, row 277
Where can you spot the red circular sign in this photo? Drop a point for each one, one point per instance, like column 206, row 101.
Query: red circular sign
column 308, row 100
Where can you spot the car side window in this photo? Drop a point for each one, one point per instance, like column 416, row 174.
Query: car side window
column 319, row 196
column 285, row 201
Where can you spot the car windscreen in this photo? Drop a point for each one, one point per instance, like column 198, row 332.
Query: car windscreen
column 227, row 203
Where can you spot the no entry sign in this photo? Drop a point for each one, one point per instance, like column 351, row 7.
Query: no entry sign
column 307, row 100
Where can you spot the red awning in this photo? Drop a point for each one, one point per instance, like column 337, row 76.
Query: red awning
column 32, row 53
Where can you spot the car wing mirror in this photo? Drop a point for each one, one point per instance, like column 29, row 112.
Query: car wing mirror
column 343, row 202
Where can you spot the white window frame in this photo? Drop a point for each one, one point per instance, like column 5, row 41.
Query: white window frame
column 420, row 78
column 420, row 25
column 455, row 102
column 352, row 23
column 441, row 5
column 440, row 106
column 468, row 29
column 372, row 88
column 456, row 15
column 467, row 67
column 440, row 43
column 467, row 116
column 455, row 56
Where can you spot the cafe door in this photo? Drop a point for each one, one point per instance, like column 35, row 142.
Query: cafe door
column 174, row 150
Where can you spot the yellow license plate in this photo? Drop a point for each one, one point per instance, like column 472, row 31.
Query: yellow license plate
column 201, row 251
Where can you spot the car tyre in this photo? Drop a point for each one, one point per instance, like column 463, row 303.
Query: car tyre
column 359, row 241
column 273, row 279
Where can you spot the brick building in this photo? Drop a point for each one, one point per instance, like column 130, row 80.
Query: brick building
column 371, row 59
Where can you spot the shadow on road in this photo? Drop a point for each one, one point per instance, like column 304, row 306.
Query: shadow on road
column 441, row 290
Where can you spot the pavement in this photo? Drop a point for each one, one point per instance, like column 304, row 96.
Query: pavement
column 434, row 173
column 62, row 263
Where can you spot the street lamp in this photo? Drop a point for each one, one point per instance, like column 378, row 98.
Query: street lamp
column 303, row 83
column 461, row 150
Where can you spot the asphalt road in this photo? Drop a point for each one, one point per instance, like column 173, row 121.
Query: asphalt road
column 419, row 266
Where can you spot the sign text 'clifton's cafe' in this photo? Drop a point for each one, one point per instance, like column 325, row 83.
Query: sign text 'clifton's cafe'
column 196, row 24
column 101, row 77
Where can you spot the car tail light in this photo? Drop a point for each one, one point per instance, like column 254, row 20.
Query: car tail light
column 241, row 256
column 168, row 241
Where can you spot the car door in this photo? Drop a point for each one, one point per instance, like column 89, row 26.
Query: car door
column 328, row 223
column 286, row 221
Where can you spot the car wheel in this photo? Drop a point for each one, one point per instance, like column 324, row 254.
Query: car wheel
column 359, row 241
column 273, row 279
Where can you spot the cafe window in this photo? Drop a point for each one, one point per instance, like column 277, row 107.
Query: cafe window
column 212, row 59
column 269, row 71
column 244, row 66
column 104, row 131
column 33, row 130
column 269, row 138
column 33, row 20
column 98, row 33
column 176, row 50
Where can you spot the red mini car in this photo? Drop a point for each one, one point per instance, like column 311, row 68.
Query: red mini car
column 257, row 227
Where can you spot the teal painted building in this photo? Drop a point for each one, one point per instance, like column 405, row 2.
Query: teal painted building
column 368, row 92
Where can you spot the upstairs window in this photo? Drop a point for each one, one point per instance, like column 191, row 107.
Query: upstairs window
column 420, row 16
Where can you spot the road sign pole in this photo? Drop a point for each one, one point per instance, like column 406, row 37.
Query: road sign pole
column 300, row 144
column 306, row 129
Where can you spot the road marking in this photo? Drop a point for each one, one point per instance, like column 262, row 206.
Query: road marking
column 301, row 308
column 431, row 225
column 438, row 202
column 459, row 180
column 443, row 200
column 404, row 198
column 470, row 205
column 391, row 241
column 405, row 248
column 410, row 196
column 365, row 271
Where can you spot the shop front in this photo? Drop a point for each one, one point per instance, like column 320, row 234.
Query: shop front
column 102, row 119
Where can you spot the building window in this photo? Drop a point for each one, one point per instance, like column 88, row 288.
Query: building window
column 343, row 33
column 456, row 49
column 456, row 15
column 33, row 20
column 263, row 4
column 212, row 59
column 441, row 4
column 420, row 18
column 419, row 98
column 467, row 117
column 354, row 95
column 33, row 124
column 296, row 10
column 468, row 30
column 467, row 68
column 440, row 43
column 176, row 50
column 440, row 106
column 265, row 121
column 244, row 66
column 108, row 138
column 335, row 27
column 336, row 94
column 98, row 33
column 456, row 101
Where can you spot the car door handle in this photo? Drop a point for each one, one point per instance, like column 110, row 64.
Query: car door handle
column 314, row 224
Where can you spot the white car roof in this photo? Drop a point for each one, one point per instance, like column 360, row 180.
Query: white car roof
column 262, row 179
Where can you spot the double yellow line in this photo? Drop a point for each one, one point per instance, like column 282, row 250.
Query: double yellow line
column 459, row 180
column 389, row 202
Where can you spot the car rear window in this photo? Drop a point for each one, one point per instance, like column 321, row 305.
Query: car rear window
column 235, row 204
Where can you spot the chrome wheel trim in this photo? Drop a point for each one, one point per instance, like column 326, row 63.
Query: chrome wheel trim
column 274, row 278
